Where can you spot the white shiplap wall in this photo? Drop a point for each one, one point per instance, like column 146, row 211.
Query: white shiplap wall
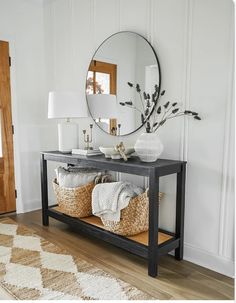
column 194, row 42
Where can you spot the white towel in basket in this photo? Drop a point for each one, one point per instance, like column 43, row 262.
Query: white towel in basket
column 108, row 199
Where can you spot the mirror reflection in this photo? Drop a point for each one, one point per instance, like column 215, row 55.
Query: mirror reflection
column 123, row 83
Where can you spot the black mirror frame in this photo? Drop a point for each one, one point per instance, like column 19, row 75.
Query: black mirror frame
column 159, row 69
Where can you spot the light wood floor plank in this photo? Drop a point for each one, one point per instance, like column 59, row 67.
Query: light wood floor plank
column 176, row 280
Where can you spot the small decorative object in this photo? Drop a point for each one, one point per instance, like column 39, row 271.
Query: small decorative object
column 121, row 150
column 111, row 152
column 148, row 146
column 88, row 139
column 67, row 105
column 115, row 131
column 119, row 126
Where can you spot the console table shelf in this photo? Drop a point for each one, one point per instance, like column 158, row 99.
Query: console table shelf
column 150, row 244
column 141, row 238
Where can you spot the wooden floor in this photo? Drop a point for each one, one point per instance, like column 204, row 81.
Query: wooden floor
column 176, row 280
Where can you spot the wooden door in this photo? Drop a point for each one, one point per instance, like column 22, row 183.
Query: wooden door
column 7, row 179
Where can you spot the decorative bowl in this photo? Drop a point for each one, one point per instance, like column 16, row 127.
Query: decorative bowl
column 110, row 152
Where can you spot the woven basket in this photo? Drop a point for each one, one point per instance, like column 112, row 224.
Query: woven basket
column 75, row 202
column 134, row 218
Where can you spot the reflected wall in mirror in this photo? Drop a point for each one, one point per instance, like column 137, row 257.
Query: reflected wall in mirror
column 123, row 83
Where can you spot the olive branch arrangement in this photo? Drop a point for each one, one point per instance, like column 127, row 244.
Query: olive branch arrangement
column 162, row 114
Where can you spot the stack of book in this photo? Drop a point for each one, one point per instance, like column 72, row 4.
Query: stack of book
column 86, row 152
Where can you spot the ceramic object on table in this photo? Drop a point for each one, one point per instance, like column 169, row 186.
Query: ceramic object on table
column 148, row 147
column 110, row 152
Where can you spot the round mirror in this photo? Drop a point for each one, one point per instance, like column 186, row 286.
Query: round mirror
column 123, row 83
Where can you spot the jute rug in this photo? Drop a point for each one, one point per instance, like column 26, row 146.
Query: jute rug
column 32, row 268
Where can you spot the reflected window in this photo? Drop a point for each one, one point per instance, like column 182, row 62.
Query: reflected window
column 101, row 79
column 102, row 83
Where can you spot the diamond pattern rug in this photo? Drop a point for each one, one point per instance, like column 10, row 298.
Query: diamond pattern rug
column 32, row 268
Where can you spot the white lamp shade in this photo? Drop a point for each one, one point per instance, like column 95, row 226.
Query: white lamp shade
column 102, row 106
column 67, row 105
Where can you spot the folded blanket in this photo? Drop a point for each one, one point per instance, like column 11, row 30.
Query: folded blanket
column 75, row 177
column 108, row 199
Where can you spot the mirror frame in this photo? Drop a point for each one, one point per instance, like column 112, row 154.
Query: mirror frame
column 159, row 69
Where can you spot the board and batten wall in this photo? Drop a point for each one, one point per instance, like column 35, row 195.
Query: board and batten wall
column 194, row 42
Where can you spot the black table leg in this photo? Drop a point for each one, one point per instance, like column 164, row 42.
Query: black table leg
column 153, row 224
column 44, row 190
column 180, row 201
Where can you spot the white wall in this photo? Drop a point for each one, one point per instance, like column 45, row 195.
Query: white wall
column 194, row 42
column 21, row 24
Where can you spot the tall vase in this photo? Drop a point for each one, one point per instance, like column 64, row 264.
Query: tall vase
column 148, row 147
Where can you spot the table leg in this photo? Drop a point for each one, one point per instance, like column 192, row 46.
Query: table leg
column 153, row 224
column 44, row 190
column 180, row 201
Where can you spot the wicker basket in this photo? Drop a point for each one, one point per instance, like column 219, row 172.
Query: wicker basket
column 134, row 218
column 75, row 202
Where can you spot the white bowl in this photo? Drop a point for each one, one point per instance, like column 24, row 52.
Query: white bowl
column 110, row 152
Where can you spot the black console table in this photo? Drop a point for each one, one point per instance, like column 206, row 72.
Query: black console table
column 149, row 245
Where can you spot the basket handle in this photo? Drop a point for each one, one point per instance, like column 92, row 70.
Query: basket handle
column 161, row 194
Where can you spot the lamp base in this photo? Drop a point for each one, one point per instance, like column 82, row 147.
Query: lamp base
column 67, row 136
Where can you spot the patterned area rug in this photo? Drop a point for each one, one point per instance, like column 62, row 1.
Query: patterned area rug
column 32, row 268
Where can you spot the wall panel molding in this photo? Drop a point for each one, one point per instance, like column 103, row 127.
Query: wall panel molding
column 119, row 15
column 150, row 38
column 227, row 186
column 92, row 22
column 187, row 50
column 150, row 20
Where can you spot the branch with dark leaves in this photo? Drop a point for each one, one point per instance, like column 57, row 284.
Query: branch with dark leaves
column 166, row 112
column 147, row 102
column 171, row 111
column 130, row 105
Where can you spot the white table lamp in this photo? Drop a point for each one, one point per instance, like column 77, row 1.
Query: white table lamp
column 67, row 105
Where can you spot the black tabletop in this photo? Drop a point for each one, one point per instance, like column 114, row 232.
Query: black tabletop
column 133, row 165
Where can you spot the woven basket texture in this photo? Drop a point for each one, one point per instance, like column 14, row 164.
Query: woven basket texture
column 134, row 218
column 75, row 202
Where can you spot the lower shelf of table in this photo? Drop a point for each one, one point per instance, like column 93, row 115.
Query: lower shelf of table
column 141, row 238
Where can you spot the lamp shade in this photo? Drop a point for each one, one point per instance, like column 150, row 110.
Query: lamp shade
column 67, row 105
column 102, row 106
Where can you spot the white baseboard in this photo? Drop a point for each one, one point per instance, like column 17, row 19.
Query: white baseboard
column 209, row 260
column 31, row 206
